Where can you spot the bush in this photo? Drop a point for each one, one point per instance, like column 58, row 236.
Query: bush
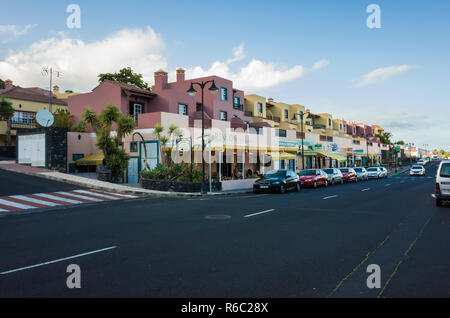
column 176, row 172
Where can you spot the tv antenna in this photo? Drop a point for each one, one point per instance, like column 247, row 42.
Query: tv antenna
column 49, row 71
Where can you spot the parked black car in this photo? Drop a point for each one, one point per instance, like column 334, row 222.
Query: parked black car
column 277, row 180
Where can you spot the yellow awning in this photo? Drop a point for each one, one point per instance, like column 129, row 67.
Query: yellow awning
column 332, row 155
column 91, row 160
column 281, row 155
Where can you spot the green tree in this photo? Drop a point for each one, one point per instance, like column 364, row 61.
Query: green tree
column 62, row 119
column 6, row 113
column 116, row 159
column 400, row 142
column 385, row 137
column 125, row 75
column 435, row 152
column 174, row 133
column 442, row 152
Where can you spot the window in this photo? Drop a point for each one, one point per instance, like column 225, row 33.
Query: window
column 224, row 93
column 329, row 138
column 323, row 138
column 137, row 109
column 300, row 135
column 281, row 132
column 77, row 156
column 329, row 122
column 340, row 126
column 286, row 114
column 182, row 109
column 223, row 116
column 237, row 102
column 260, row 109
column 23, row 118
column 133, row 146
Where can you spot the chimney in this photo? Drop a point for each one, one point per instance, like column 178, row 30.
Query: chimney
column 55, row 89
column 270, row 100
column 180, row 75
column 8, row 84
column 160, row 79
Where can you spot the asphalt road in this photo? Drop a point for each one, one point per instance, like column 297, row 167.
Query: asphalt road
column 12, row 183
column 315, row 243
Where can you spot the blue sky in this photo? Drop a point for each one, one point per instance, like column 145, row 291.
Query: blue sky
column 286, row 38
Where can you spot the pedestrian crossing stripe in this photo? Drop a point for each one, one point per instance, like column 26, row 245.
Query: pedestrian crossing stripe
column 13, row 203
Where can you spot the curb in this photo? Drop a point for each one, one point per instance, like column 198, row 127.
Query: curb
column 103, row 188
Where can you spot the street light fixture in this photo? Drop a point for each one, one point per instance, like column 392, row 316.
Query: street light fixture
column 301, row 123
column 191, row 91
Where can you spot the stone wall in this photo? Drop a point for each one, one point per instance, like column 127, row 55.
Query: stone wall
column 173, row 186
column 56, row 148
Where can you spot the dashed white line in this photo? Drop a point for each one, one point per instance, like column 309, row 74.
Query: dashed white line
column 330, row 197
column 57, row 260
column 366, row 189
column 253, row 214
column 387, row 185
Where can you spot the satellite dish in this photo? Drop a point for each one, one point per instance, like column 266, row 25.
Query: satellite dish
column 44, row 118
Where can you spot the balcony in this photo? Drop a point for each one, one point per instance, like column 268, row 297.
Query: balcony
column 238, row 106
column 274, row 118
column 319, row 127
column 248, row 113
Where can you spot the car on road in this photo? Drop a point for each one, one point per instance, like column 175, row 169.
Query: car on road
column 374, row 172
column 417, row 170
column 443, row 182
column 361, row 174
column 435, row 157
column 277, row 181
column 384, row 172
column 334, row 175
column 348, row 174
column 313, row 178
column 421, row 162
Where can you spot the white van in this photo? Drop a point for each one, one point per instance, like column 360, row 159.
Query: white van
column 443, row 182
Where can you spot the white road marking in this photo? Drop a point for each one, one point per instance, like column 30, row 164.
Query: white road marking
column 25, row 198
column 253, row 214
column 56, row 198
column 79, row 196
column 366, row 189
column 434, row 196
column 57, row 260
column 1, row 210
column 387, row 185
column 330, row 197
column 16, row 205
column 97, row 194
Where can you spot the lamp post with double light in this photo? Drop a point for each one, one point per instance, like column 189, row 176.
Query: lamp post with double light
column 191, row 91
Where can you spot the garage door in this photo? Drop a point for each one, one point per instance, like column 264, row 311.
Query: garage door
column 31, row 149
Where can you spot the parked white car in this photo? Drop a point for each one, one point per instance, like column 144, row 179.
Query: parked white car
column 421, row 162
column 374, row 172
column 384, row 172
column 443, row 182
column 417, row 170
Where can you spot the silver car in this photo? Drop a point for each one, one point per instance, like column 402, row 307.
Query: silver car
column 361, row 174
column 334, row 176
column 417, row 170
column 374, row 172
column 384, row 172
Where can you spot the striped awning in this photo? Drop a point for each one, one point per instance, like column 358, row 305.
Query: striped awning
column 281, row 155
column 91, row 160
column 332, row 155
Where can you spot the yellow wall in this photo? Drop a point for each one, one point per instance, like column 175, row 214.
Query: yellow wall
column 251, row 104
column 30, row 106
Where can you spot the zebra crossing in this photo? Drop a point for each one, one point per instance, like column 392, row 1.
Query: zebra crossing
column 13, row 203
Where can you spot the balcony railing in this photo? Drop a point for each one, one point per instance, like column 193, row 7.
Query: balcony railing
column 237, row 106
column 274, row 118
column 248, row 113
column 319, row 127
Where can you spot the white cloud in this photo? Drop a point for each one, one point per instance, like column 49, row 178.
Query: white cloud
column 9, row 32
column 81, row 62
column 382, row 74
column 254, row 76
column 142, row 50
column 320, row 64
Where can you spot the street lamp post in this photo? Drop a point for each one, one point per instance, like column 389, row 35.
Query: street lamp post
column 301, row 124
column 191, row 91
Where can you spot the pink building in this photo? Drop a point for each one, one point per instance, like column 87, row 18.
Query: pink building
column 130, row 100
column 226, row 104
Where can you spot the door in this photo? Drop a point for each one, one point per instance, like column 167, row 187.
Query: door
column 132, row 172
column 152, row 154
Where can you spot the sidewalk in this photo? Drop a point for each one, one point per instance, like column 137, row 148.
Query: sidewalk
column 89, row 183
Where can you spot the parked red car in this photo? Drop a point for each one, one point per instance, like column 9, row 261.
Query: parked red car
column 349, row 175
column 313, row 178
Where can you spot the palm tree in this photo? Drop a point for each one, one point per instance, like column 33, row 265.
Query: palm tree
column 7, row 112
column 116, row 158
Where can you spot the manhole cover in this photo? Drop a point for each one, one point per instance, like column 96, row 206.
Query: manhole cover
column 217, row 217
